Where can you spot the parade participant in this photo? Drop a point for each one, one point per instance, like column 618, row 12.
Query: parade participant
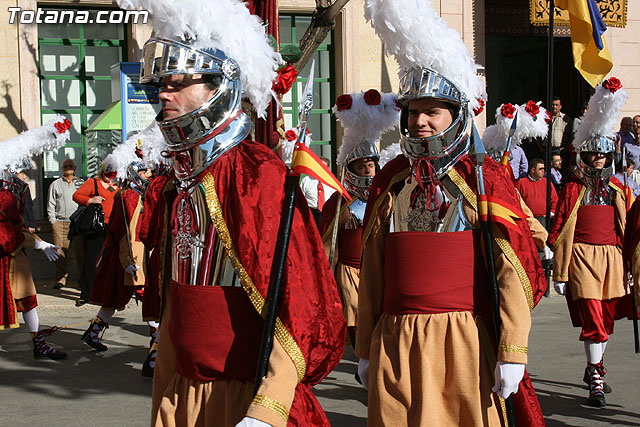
column 364, row 116
column 115, row 286
column 587, row 231
column 18, row 292
column 222, row 207
column 631, row 246
column 424, row 331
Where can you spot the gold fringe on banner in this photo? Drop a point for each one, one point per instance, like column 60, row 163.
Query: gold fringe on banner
column 614, row 13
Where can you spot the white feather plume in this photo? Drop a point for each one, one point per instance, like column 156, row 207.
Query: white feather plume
column 149, row 141
column 33, row 142
column 389, row 153
column 366, row 123
column 495, row 136
column 226, row 25
column 601, row 117
column 414, row 33
column 286, row 146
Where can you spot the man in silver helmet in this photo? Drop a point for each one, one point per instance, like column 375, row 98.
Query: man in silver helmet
column 362, row 165
column 218, row 214
column 587, row 231
column 425, row 323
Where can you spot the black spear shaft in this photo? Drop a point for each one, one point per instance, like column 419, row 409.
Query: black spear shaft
column 275, row 282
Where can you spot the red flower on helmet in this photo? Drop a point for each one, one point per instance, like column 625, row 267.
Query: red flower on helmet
column 63, row 126
column 480, row 108
column 344, row 102
column 508, row 110
column 613, row 84
column 372, row 97
column 547, row 117
column 532, row 108
column 285, row 79
column 291, row 135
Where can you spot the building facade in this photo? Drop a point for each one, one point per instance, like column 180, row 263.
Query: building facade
column 48, row 68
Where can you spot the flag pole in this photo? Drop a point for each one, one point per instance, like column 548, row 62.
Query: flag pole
column 552, row 6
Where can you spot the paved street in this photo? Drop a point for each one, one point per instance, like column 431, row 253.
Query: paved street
column 103, row 390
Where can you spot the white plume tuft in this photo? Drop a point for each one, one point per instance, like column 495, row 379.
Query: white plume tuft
column 150, row 143
column 34, row 142
column 287, row 146
column 601, row 117
column 226, row 25
column 414, row 33
column 389, row 153
column 365, row 123
column 495, row 136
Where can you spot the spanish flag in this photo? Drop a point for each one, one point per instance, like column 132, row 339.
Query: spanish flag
column 493, row 209
column 306, row 162
column 590, row 52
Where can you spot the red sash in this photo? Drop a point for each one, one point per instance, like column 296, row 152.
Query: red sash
column 216, row 332
column 350, row 247
column 434, row 272
column 595, row 225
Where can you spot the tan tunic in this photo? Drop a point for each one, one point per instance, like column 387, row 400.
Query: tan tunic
column 347, row 277
column 433, row 369
column 592, row 271
column 137, row 248
column 22, row 285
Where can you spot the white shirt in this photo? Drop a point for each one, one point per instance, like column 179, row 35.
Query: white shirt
column 309, row 188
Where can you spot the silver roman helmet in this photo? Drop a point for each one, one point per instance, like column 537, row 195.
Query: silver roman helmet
column 364, row 116
column 354, row 183
column 595, row 133
column 446, row 148
column 136, row 182
column 434, row 63
column 217, row 42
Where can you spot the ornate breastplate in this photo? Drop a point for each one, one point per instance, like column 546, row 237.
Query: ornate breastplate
column 197, row 256
column 598, row 193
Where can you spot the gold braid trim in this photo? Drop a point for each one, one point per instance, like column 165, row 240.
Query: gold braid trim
column 274, row 405
column 512, row 348
column 464, row 188
column 503, row 243
column 281, row 333
column 398, row 177
column 508, row 251
column 572, row 218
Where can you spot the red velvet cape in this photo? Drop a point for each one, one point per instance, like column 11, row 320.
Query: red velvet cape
column 109, row 290
column 631, row 233
column 500, row 185
column 11, row 237
column 329, row 212
column 249, row 182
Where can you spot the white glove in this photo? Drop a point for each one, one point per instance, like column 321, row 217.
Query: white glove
column 252, row 422
column 131, row 269
column 508, row 376
column 560, row 287
column 548, row 253
column 363, row 372
column 50, row 251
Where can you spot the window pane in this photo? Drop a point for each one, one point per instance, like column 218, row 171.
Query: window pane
column 59, row 31
column 98, row 94
column 59, row 60
column 60, row 94
column 285, row 29
column 322, row 95
column 98, row 60
column 323, row 64
column 103, row 31
column 302, row 23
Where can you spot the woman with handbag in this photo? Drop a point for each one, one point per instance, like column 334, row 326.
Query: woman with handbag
column 96, row 191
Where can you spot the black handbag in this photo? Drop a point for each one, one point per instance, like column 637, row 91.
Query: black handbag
column 87, row 220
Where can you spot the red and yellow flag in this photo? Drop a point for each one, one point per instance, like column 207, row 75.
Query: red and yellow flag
column 306, row 162
column 492, row 209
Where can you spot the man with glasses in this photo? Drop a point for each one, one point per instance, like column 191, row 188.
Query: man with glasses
column 533, row 189
column 59, row 209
